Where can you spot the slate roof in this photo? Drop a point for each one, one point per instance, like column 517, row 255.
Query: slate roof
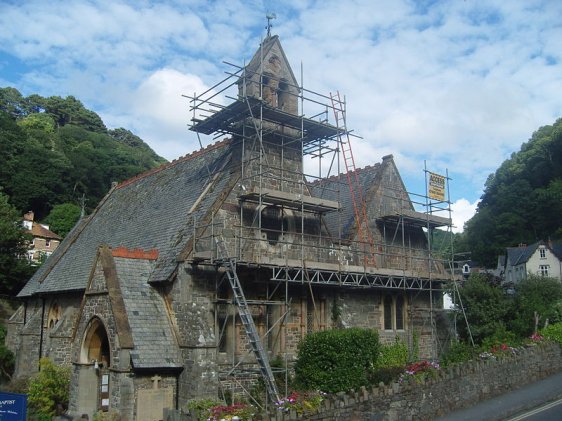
column 337, row 188
column 154, row 343
column 557, row 250
column 520, row 255
column 150, row 211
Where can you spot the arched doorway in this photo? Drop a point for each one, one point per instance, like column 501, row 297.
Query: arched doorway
column 95, row 346
column 94, row 361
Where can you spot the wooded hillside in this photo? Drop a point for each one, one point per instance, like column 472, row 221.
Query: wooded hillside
column 53, row 151
column 522, row 200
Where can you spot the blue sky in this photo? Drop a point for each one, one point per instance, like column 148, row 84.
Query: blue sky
column 457, row 84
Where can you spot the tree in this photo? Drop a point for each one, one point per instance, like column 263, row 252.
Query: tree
column 486, row 306
column 14, row 266
column 62, row 218
column 522, row 200
column 539, row 297
column 49, row 390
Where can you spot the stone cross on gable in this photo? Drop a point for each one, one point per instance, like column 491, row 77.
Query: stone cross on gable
column 155, row 380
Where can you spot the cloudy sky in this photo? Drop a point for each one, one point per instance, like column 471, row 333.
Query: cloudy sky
column 457, row 84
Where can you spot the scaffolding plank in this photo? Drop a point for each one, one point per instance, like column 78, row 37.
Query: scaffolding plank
column 290, row 200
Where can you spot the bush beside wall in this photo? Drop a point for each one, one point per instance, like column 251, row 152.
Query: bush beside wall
column 456, row 387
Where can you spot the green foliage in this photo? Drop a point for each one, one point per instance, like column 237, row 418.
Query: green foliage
column 54, row 151
column 502, row 218
column 553, row 332
column 538, row 294
column 200, row 408
column 390, row 363
column 48, row 389
column 500, row 337
column 7, row 359
column 336, row 360
column 301, row 402
column 486, row 306
column 62, row 218
column 14, row 266
column 393, row 355
column 458, row 352
column 111, row 415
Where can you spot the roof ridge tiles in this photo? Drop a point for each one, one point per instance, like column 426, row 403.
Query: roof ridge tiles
column 137, row 253
column 337, row 176
column 176, row 161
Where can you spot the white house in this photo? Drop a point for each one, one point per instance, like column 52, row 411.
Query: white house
column 540, row 258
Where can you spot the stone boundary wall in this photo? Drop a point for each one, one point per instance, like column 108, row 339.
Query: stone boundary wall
column 454, row 388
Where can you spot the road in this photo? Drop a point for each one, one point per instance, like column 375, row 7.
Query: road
column 519, row 403
column 551, row 411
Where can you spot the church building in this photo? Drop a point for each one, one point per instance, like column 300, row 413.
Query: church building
column 190, row 280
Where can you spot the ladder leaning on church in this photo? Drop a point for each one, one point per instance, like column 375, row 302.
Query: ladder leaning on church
column 229, row 266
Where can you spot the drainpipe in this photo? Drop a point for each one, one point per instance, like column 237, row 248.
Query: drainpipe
column 41, row 331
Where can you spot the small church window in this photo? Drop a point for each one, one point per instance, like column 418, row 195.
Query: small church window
column 400, row 312
column 394, row 312
column 388, row 312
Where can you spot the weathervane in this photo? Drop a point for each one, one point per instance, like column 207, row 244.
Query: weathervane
column 270, row 17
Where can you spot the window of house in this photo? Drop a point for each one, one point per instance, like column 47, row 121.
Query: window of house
column 542, row 253
column 47, row 243
column 394, row 312
column 543, row 270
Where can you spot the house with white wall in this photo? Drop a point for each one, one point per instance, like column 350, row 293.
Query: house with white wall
column 540, row 258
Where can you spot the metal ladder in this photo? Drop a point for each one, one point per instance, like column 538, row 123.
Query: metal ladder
column 247, row 320
column 357, row 198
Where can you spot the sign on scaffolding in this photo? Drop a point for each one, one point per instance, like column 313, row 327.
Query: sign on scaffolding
column 436, row 187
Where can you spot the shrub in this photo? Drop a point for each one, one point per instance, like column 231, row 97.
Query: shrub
column 301, row 403
column 201, row 408
column 536, row 294
column 48, row 389
column 394, row 355
column 553, row 332
column 336, row 360
column 420, row 371
column 111, row 415
column 501, row 336
column 243, row 411
column 458, row 352
column 390, row 363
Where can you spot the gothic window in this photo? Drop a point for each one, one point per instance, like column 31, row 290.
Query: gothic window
column 399, row 312
column 394, row 312
column 54, row 315
column 388, row 312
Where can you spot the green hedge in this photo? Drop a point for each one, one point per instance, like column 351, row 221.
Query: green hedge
column 336, row 360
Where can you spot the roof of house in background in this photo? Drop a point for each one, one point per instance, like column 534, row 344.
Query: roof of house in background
column 38, row 230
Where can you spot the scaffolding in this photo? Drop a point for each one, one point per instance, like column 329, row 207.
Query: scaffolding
column 281, row 243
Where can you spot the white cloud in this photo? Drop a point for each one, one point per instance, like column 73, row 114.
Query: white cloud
column 462, row 210
column 460, row 84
